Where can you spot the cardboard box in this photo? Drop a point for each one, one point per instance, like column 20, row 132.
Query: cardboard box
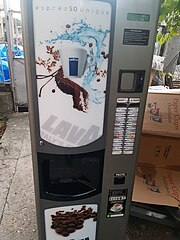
column 158, row 151
column 162, row 113
column 157, row 186
column 157, row 179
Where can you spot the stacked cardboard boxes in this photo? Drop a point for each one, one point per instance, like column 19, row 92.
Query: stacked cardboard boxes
column 162, row 113
column 157, row 178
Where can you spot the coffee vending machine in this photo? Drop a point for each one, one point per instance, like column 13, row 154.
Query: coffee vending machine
column 87, row 65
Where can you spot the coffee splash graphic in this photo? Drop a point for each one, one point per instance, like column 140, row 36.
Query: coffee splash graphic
column 85, row 35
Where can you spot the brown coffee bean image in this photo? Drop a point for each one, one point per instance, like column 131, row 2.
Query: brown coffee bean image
column 72, row 225
column 65, row 223
column 89, row 210
column 71, row 230
column 59, row 212
column 73, row 221
column 79, row 227
column 68, row 26
column 53, row 226
column 58, row 230
column 67, row 213
column 93, row 215
column 65, row 234
column 74, row 215
column 88, row 216
column 64, row 226
column 80, row 221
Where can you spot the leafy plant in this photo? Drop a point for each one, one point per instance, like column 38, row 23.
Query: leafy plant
column 170, row 15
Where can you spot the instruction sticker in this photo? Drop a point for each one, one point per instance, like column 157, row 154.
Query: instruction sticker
column 138, row 37
column 116, row 203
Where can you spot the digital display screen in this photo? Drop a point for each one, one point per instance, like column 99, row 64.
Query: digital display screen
column 138, row 17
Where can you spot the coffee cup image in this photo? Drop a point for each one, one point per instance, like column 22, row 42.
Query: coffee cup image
column 117, row 207
column 75, row 61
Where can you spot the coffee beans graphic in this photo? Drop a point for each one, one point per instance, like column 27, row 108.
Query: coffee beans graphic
column 65, row 223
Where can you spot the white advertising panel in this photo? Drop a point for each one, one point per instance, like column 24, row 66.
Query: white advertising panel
column 72, row 52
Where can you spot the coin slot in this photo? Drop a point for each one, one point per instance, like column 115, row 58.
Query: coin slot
column 119, row 179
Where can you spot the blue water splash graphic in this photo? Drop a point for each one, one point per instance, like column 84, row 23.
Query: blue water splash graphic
column 82, row 33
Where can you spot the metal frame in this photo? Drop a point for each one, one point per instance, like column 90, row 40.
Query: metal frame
column 10, row 54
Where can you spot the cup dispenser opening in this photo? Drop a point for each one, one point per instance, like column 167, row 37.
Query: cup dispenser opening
column 68, row 177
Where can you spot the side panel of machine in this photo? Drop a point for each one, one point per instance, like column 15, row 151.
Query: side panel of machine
column 135, row 31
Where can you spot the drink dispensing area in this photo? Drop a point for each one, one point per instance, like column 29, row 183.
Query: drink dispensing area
column 87, row 67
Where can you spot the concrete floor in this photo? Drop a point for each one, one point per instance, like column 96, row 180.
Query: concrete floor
column 17, row 207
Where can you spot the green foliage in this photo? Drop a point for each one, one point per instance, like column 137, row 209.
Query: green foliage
column 170, row 13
